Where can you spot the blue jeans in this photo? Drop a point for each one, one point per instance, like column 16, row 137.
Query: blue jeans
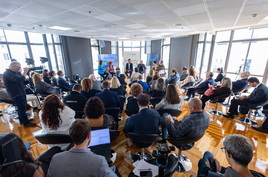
column 202, row 162
column 164, row 126
column 21, row 105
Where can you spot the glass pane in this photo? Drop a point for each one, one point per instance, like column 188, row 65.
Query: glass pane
column 209, row 37
column 121, row 60
column 205, row 61
column 223, row 36
column 136, row 44
column 260, row 33
column 52, row 57
column 49, row 38
column 120, row 43
column 113, row 43
column 95, row 53
column 242, row 34
column 127, row 43
column 2, row 36
column 237, row 57
column 127, row 49
column 113, row 49
column 166, row 41
column 36, row 38
column 142, row 43
column 198, row 58
column 166, row 51
column 94, row 42
column 143, row 56
column 19, row 52
column 233, row 77
column 148, row 47
column 257, row 58
column 15, row 36
column 135, row 49
column 201, row 37
column 219, row 56
column 4, row 58
column 39, row 51
column 60, row 58
column 56, row 38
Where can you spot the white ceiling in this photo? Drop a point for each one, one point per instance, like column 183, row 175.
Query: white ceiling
column 132, row 19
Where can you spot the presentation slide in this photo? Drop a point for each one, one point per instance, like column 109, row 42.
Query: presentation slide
column 108, row 57
column 99, row 137
column 150, row 58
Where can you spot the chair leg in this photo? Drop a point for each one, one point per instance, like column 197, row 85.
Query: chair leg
column 184, row 164
column 227, row 104
column 140, row 156
column 247, row 119
column 215, row 112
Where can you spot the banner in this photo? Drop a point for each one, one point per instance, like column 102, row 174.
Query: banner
column 108, row 57
column 151, row 57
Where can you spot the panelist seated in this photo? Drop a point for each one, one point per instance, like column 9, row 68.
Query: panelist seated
column 129, row 68
column 241, row 84
column 225, row 88
column 238, row 152
column 61, row 80
column 80, row 160
column 141, row 67
column 95, row 115
column 172, row 99
column 111, row 69
column 87, row 88
column 96, row 84
column 55, row 118
column 132, row 104
column 42, row 87
column 146, row 121
column 144, row 85
column 109, row 98
column 160, row 88
column 259, row 94
column 117, row 87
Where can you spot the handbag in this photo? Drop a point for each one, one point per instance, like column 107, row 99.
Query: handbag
column 209, row 92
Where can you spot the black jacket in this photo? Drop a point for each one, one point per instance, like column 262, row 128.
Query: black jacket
column 120, row 90
column 239, row 85
column 132, row 106
column 75, row 101
column 156, row 93
column 47, row 80
column 219, row 77
column 259, row 95
column 109, row 98
column 90, row 93
column 122, row 80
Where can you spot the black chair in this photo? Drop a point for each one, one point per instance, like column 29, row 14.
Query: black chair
column 79, row 114
column 248, row 119
column 233, row 93
column 187, row 86
column 114, row 134
column 142, row 138
column 113, row 112
column 184, row 143
column 155, row 100
column 55, row 139
column 218, row 99
column 122, row 100
column 200, row 92
column 64, row 89
column 172, row 112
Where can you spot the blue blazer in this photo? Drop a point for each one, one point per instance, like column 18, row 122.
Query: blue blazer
column 62, row 82
column 239, row 85
column 109, row 98
column 204, row 85
column 131, row 67
column 144, row 85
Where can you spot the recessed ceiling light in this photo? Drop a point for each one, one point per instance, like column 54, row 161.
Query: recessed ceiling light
column 253, row 15
column 178, row 24
column 59, row 28
column 76, row 31
column 109, row 26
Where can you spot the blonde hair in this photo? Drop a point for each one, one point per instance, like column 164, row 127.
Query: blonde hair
column 226, row 82
column 36, row 78
column 160, row 85
column 115, row 83
column 151, row 73
column 86, row 84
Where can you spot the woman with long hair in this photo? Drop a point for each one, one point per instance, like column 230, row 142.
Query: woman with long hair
column 44, row 88
column 150, row 76
column 46, row 76
column 87, row 90
column 153, row 81
column 159, row 89
column 117, row 87
column 189, row 79
column 56, row 118
column 102, row 71
column 172, row 99
column 221, row 74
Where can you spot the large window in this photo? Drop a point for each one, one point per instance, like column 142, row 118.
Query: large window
column 166, row 53
column 95, row 53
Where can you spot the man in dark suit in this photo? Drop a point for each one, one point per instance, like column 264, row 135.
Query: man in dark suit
column 241, row 84
column 121, row 79
column 62, row 82
column 129, row 68
column 202, row 86
column 146, row 121
column 109, row 98
column 259, row 94
column 143, row 84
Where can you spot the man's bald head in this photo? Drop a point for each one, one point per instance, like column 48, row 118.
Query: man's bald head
column 195, row 105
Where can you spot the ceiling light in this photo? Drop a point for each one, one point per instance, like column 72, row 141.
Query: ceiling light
column 253, row 15
column 76, row 31
column 178, row 24
column 59, row 28
column 9, row 25
column 109, row 26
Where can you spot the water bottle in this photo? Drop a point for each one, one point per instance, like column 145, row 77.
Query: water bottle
column 128, row 154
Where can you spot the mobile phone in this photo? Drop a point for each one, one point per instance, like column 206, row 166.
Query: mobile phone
column 172, row 121
column 212, row 164
column 27, row 145
column 146, row 173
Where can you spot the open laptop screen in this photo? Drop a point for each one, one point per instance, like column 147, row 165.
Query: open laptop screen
column 99, row 137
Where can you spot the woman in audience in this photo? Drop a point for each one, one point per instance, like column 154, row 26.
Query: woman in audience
column 111, row 68
column 172, row 99
column 102, row 71
column 95, row 115
column 221, row 74
column 189, row 79
column 160, row 88
column 52, row 75
column 87, row 90
column 32, row 167
column 56, row 118
column 46, row 76
column 116, row 86
column 96, row 83
column 153, row 81
column 134, row 76
column 132, row 105
column 150, row 76
column 226, row 87
column 44, row 88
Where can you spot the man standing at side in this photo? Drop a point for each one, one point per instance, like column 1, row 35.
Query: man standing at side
column 129, row 68
column 13, row 81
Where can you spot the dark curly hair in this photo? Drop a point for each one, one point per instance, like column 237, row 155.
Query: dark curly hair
column 94, row 108
column 50, row 111
column 136, row 89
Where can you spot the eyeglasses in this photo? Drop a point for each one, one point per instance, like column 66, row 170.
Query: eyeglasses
column 223, row 149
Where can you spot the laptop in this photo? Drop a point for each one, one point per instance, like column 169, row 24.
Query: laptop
column 100, row 143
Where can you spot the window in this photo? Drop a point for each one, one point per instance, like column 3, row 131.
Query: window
column 49, row 38
column 204, row 67
column 199, row 57
column 19, row 52
column 35, row 37
column 260, row 33
column 2, row 36
column 136, row 43
column 52, row 57
column 242, row 34
column 219, row 56
column 15, row 36
column 60, row 58
column 56, row 38
column 39, row 51
column 95, row 53
column 166, row 52
column 166, row 41
column 4, row 58
column 127, row 43
column 201, row 37
column 223, row 36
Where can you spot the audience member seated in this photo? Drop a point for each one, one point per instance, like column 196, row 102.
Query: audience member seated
column 87, row 90
column 129, row 68
column 202, row 86
column 55, row 118
column 75, row 100
column 238, row 152
column 161, row 69
column 160, row 88
column 116, row 87
column 184, row 73
column 259, row 94
column 221, row 74
column 195, row 123
column 102, row 70
column 172, row 99
column 150, row 76
column 109, row 98
column 146, row 121
column 143, row 84
column 44, row 88
column 189, row 79
column 141, row 67
column 174, row 77
column 225, row 88
column 154, row 66
column 121, row 79
column 32, row 167
column 134, row 76
column 53, row 79
column 95, row 83
column 242, row 83
column 95, row 115
column 111, row 68
column 80, row 160
column 264, row 127
column 132, row 105
column 153, row 81
column 61, row 80
column 46, row 76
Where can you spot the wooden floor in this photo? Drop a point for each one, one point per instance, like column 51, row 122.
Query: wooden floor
column 212, row 141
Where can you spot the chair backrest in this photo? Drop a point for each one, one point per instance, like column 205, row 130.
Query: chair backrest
column 155, row 100
column 172, row 112
column 64, row 89
column 185, row 140
column 112, row 111
column 114, row 134
column 143, row 138
column 54, row 138
column 79, row 114
column 122, row 99
column 221, row 97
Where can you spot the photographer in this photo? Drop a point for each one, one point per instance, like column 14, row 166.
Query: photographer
column 13, row 81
